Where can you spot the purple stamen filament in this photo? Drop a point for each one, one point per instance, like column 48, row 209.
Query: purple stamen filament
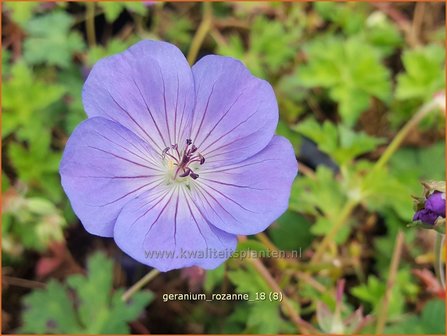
column 184, row 158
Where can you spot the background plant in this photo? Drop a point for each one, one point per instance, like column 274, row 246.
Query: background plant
column 359, row 88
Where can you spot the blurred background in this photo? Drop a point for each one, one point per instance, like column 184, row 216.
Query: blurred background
column 347, row 76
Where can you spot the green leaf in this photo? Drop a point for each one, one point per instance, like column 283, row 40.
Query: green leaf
column 113, row 9
column 340, row 142
column 350, row 17
column 50, row 40
column 382, row 33
column 383, row 191
column 291, row 231
column 424, row 73
column 50, row 310
column 6, row 59
column 430, row 322
column 266, row 51
column 264, row 315
column 24, row 97
column 21, row 11
column 114, row 46
column 98, row 309
column 412, row 165
column 352, row 71
column 322, row 194
column 213, row 278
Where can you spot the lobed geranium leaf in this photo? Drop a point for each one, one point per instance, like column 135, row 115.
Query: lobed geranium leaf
column 340, row 142
column 113, row 9
column 21, row 11
column 92, row 308
column 23, row 97
column 424, row 73
column 50, row 40
column 352, row 71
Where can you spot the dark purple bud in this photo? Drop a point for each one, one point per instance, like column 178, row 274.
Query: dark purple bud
column 193, row 149
column 425, row 216
column 174, row 146
column 188, row 141
column 436, row 203
column 202, row 159
column 194, row 175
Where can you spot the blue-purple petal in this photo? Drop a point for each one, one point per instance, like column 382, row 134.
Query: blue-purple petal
column 235, row 114
column 104, row 165
column 149, row 89
column 246, row 197
column 165, row 229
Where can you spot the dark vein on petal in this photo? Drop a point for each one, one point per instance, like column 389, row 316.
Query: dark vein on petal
column 162, row 197
column 129, row 193
column 120, row 157
column 175, row 114
column 134, row 121
column 202, row 190
column 228, row 198
column 224, row 135
column 159, row 215
column 197, row 224
column 166, row 110
column 233, row 185
column 206, row 110
column 175, row 221
column 237, row 166
column 125, row 148
column 221, row 118
column 150, row 113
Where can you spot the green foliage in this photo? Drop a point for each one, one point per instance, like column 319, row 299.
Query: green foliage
column 352, row 71
column 291, row 231
column 424, row 73
column 95, row 309
column 50, row 40
column 266, row 50
column 430, row 322
column 340, row 142
column 263, row 315
column 328, row 63
column 23, row 98
column 322, row 197
column 21, row 11
column 42, row 175
column 114, row 46
column 113, row 9
column 350, row 17
column 29, row 223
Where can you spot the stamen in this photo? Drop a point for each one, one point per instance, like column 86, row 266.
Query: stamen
column 184, row 158
column 186, row 173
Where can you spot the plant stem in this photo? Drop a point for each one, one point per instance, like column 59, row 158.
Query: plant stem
column 301, row 325
column 140, row 284
column 90, row 24
column 422, row 112
column 439, row 249
column 382, row 314
column 330, row 236
column 201, row 32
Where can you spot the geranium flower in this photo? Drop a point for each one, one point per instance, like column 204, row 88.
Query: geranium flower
column 174, row 162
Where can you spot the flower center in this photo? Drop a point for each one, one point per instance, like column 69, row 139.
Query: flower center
column 181, row 162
